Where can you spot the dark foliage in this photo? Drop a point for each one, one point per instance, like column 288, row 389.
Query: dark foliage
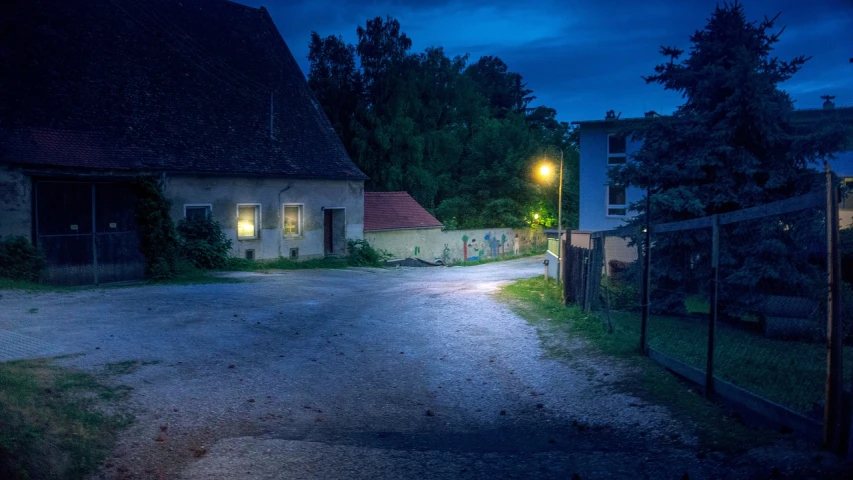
column 730, row 146
column 460, row 137
column 361, row 254
column 20, row 260
column 157, row 239
column 203, row 244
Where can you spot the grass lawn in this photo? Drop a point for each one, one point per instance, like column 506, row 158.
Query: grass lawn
column 243, row 265
column 51, row 421
column 790, row 373
column 504, row 257
column 559, row 327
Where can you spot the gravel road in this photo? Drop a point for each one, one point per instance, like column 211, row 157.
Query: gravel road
column 360, row 373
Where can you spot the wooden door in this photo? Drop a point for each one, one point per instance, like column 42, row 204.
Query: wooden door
column 328, row 230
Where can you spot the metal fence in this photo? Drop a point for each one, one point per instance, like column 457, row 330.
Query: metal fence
column 748, row 304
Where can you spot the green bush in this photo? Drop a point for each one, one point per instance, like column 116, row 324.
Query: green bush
column 361, row 254
column 157, row 239
column 20, row 260
column 624, row 286
column 203, row 243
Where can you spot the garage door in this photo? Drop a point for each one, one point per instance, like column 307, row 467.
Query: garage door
column 87, row 232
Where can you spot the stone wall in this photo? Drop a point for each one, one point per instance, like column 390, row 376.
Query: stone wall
column 452, row 246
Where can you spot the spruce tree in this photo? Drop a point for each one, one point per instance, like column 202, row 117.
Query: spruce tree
column 733, row 144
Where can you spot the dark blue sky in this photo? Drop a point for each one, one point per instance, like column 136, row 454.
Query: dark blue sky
column 586, row 57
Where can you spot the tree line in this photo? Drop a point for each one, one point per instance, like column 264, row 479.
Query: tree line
column 461, row 137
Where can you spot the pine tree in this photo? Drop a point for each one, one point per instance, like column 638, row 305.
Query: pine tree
column 731, row 145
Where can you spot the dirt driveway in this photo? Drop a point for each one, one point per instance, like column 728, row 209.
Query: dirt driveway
column 359, row 373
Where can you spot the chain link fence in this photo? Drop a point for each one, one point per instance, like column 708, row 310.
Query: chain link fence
column 736, row 302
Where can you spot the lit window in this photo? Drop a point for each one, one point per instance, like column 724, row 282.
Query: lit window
column 617, row 149
column 292, row 220
column 197, row 211
column 248, row 219
column 616, row 201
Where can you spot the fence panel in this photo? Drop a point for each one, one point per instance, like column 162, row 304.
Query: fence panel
column 680, row 294
column 773, row 287
column 745, row 298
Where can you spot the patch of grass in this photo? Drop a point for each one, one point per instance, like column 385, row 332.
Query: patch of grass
column 504, row 257
column 790, row 373
column 696, row 304
column 9, row 284
column 53, row 423
column 569, row 333
column 281, row 263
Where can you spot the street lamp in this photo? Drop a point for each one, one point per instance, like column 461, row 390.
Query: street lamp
column 546, row 170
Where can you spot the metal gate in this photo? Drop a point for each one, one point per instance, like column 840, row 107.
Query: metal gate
column 87, row 232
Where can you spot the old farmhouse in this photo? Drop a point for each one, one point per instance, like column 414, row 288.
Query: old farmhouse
column 203, row 94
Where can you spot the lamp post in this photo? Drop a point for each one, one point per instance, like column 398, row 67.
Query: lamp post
column 545, row 170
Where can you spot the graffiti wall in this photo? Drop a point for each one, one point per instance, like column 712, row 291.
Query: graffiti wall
column 453, row 246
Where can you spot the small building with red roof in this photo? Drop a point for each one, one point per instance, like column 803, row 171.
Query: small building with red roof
column 395, row 211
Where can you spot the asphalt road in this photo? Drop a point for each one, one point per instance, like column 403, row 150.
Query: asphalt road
column 360, row 373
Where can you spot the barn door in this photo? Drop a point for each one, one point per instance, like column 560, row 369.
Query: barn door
column 87, row 232
column 64, row 231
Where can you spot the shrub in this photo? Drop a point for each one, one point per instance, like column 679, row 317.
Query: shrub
column 361, row 254
column 157, row 240
column 203, row 243
column 624, row 288
column 20, row 260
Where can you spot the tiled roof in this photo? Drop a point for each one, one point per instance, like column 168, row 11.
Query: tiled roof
column 159, row 84
column 395, row 210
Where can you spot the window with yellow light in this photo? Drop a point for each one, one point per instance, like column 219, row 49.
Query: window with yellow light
column 248, row 221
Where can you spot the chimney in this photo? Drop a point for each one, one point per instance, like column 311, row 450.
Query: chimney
column 652, row 114
column 828, row 101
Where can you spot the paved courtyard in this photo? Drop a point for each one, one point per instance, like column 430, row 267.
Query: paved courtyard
column 358, row 373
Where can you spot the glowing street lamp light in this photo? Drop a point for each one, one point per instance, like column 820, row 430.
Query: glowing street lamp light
column 546, row 170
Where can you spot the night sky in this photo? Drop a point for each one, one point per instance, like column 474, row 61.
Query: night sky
column 586, row 57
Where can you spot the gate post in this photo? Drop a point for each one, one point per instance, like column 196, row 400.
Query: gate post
column 712, row 320
column 832, row 415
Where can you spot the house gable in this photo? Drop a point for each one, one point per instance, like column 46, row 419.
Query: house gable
column 204, row 86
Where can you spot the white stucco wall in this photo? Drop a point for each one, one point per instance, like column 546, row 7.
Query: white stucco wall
column 224, row 193
column 433, row 244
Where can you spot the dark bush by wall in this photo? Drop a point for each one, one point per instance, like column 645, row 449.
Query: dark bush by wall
column 157, row 239
column 20, row 260
column 361, row 254
column 203, row 243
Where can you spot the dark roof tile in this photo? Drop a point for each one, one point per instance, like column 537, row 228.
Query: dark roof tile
column 176, row 85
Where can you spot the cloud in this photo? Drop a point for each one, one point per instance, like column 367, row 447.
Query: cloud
column 584, row 58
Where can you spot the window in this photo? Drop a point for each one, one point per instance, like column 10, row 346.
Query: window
column 292, row 215
column 616, row 201
column 248, row 220
column 194, row 211
column 617, row 148
column 847, row 194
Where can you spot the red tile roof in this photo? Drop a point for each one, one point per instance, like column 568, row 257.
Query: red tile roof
column 395, row 210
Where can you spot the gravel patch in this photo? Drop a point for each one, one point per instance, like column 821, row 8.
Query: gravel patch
column 357, row 373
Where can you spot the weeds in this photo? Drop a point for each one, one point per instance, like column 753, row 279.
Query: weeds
column 569, row 333
column 281, row 263
column 53, row 425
